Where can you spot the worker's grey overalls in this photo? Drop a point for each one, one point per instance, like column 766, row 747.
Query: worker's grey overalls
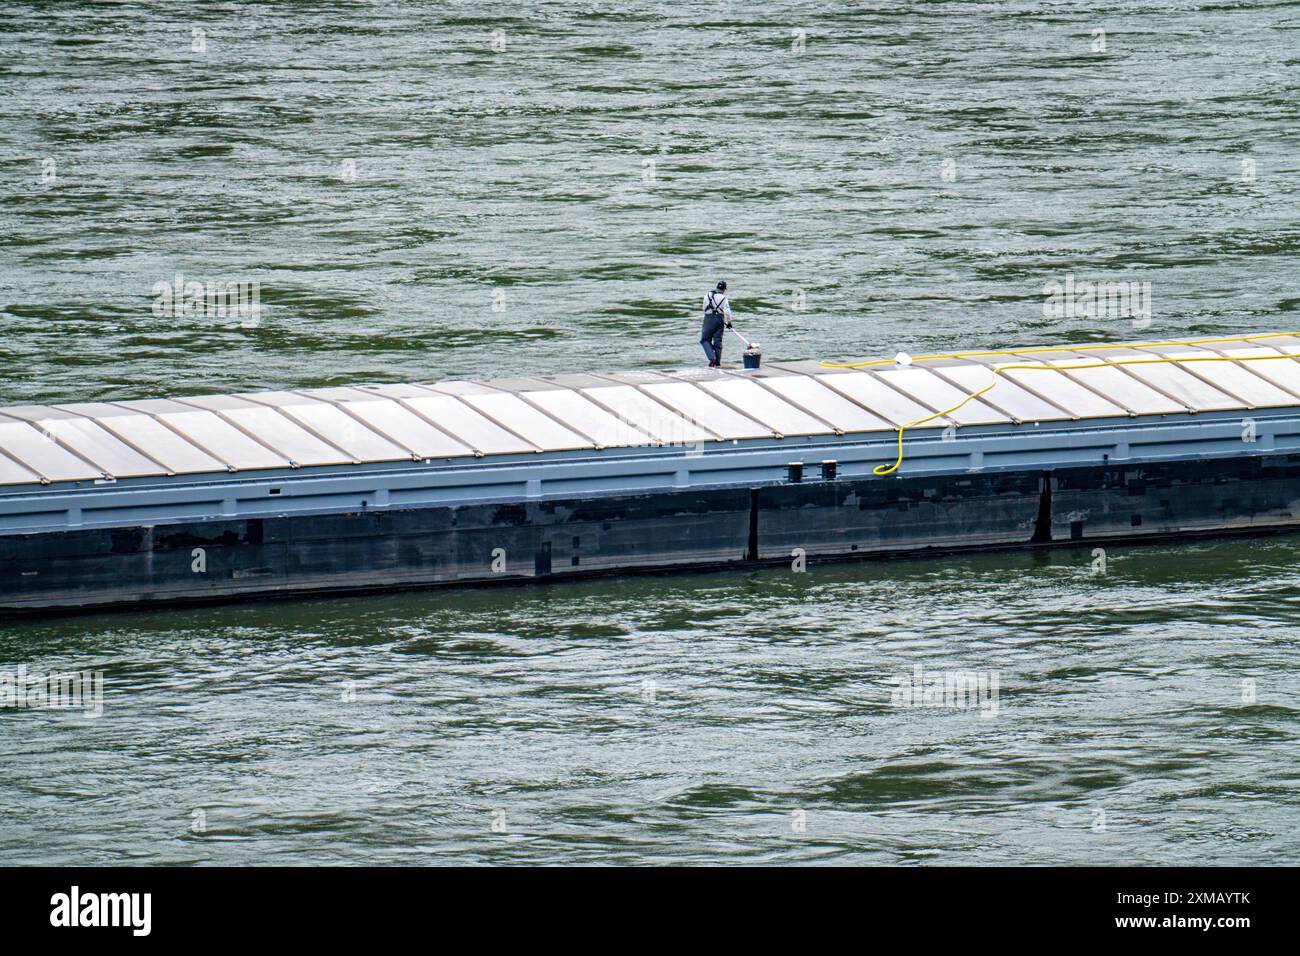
column 711, row 333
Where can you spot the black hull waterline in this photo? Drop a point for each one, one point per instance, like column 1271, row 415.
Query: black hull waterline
column 215, row 561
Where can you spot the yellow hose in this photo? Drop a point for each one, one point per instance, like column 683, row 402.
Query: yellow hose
column 999, row 369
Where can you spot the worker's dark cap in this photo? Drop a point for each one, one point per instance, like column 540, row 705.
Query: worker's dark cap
column 722, row 285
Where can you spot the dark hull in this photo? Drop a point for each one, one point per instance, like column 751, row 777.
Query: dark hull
column 224, row 559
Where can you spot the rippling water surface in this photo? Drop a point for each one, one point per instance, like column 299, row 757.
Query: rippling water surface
column 421, row 196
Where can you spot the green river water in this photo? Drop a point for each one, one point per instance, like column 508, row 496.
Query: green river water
column 437, row 190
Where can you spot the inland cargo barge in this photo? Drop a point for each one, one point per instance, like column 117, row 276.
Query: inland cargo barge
column 384, row 486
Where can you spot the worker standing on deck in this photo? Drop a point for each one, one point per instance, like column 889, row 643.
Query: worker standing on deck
column 717, row 317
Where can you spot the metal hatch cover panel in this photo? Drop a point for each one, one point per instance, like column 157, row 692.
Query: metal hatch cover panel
column 1174, row 381
column 12, row 473
column 581, row 413
column 460, row 387
column 96, row 410
column 923, row 385
column 217, row 403
column 346, row 432
column 146, row 434
column 467, row 425
column 1282, row 371
column 576, row 380
column 222, row 439
column 336, row 426
column 1286, row 344
column 291, row 440
column 536, row 426
column 164, row 445
column 106, row 451
column 406, row 428
column 826, row 403
column 36, row 413
column 699, row 406
column 1114, row 382
column 800, row 367
column 88, row 441
column 41, row 454
column 1071, row 395
column 880, row 399
column 658, row 421
column 154, row 406
column 697, row 375
column 1005, row 394
column 636, row 377
column 396, row 391
column 339, row 393
column 765, row 406
column 523, row 383
column 1239, row 381
column 278, row 399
